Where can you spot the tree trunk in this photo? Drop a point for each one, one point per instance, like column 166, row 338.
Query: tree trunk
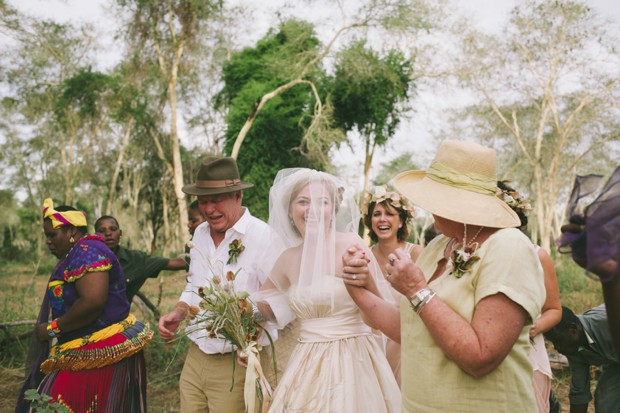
column 117, row 168
column 259, row 105
column 177, row 166
column 166, row 219
column 369, row 152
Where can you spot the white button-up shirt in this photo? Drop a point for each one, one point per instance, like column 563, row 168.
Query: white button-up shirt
column 207, row 260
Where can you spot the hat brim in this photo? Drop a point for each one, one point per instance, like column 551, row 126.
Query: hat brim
column 456, row 204
column 192, row 189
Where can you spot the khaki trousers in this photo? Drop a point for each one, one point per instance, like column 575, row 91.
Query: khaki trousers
column 205, row 383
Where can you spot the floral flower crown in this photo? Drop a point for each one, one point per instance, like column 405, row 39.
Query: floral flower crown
column 514, row 199
column 380, row 194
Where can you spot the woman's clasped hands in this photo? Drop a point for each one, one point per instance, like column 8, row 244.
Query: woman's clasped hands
column 402, row 273
column 355, row 270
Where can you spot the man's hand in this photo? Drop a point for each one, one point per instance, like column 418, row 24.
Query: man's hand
column 170, row 322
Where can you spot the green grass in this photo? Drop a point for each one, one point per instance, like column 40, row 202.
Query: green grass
column 577, row 291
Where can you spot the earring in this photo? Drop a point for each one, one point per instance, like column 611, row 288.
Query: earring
column 72, row 240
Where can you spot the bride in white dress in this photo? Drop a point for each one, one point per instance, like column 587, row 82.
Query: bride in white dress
column 337, row 365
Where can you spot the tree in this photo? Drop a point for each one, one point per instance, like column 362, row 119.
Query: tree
column 370, row 94
column 42, row 153
column 163, row 32
column 393, row 167
column 275, row 138
column 548, row 99
column 389, row 16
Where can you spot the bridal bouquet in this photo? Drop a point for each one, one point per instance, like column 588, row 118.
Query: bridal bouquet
column 230, row 315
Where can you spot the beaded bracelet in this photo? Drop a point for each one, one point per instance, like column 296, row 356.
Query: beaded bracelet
column 52, row 329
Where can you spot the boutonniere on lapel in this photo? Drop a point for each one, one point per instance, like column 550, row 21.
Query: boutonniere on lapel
column 235, row 248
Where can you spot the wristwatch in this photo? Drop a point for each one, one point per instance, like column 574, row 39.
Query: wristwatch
column 420, row 298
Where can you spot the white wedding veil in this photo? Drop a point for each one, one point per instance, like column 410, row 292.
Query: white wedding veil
column 315, row 219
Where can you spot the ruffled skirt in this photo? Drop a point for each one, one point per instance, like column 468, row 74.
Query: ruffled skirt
column 106, row 374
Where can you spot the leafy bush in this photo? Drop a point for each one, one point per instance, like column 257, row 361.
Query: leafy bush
column 42, row 403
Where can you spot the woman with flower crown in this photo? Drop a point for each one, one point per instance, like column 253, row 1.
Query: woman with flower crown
column 387, row 217
column 470, row 299
column 337, row 365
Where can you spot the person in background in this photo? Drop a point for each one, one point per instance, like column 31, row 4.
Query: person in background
column 195, row 217
column 231, row 239
column 592, row 236
column 586, row 341
column 96, row 361
column 387, row 217
column 551, row 310
column 470, row 299
column 138, row 266
column 430, row 233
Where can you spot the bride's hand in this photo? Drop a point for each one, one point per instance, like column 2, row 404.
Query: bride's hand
column 355, row 271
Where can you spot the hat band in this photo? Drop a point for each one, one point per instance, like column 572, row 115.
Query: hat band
column 218, row 184
column 443, row 174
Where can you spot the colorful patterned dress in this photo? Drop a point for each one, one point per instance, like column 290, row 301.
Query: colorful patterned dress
column 99, row 367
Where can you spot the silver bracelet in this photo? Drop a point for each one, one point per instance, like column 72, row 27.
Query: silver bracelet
column 426, row 301
column 420, row 298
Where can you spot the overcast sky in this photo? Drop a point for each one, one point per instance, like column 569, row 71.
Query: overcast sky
column 489, row 15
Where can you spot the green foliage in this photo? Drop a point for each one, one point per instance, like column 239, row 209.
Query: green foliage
column 393, row 167
column 277, row 58
column 42, row 403
column 276, row 134
column 9, row 224
column 370, row 91
column 82, row 93
column 577, row 291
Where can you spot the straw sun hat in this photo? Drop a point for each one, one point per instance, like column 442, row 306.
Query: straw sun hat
column 460, row 185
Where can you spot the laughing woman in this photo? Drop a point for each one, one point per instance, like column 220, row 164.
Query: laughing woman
column 95, row 363
column 387, row 218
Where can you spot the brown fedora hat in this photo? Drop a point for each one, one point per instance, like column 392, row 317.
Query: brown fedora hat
column 217, row 175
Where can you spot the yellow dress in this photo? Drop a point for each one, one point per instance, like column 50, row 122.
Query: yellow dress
column 430, row 381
